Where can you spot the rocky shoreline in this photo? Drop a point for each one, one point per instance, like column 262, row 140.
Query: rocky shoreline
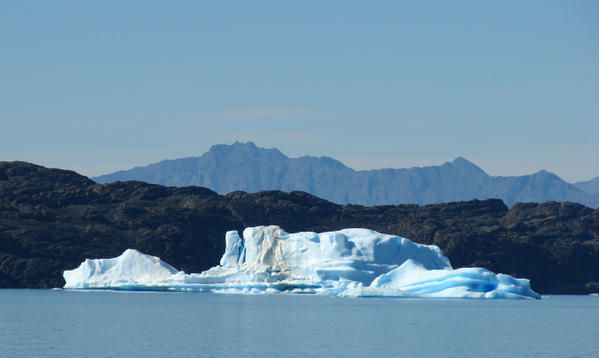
column 50, row 220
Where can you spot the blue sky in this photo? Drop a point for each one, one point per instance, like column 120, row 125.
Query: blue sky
column 510, row 85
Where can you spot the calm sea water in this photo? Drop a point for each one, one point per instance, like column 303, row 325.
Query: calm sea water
column 46, row 323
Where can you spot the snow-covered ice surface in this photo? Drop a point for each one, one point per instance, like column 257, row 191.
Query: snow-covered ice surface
column 132, row 268
column 348, row 263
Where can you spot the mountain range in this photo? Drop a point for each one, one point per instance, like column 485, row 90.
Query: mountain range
column 246, row 167
column 589, row 186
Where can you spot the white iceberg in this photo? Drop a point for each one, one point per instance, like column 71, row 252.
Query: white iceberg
column 350, row 262
column 132, row 268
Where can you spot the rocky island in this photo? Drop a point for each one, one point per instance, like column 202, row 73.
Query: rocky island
column 51, row 220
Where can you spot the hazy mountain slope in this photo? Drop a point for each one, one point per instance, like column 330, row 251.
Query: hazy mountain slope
column 244, row 166
column 590, row 186
column 538, row 187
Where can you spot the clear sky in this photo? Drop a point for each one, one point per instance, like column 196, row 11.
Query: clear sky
column 510, row 85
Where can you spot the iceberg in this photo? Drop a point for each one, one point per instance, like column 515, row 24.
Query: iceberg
column 344, row 263
column 130, row 269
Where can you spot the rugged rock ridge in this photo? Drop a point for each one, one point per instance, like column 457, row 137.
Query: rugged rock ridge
column 51, row 220
column 244, row 166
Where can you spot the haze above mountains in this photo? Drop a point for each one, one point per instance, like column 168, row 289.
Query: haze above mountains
column 246, row 167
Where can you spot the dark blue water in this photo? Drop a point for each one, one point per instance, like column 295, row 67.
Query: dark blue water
column 44, row 323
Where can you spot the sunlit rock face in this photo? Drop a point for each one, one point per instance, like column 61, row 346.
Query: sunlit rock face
column 349, row 262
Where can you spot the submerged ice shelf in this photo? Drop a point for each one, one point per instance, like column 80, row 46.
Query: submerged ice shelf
column 350, row 262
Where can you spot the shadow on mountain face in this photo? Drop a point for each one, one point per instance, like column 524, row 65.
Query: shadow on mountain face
column 244, row 166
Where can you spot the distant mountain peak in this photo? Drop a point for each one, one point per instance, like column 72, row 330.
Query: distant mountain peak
column 461, row 161
column 331, row 162
column 240, row 147
column 237, row 145
column 465, row 165
column 245, row 166
column 546, row 174
column 589, row 186
column 248, row 144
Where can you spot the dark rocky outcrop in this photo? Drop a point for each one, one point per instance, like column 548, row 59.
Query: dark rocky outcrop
column 50, row 220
